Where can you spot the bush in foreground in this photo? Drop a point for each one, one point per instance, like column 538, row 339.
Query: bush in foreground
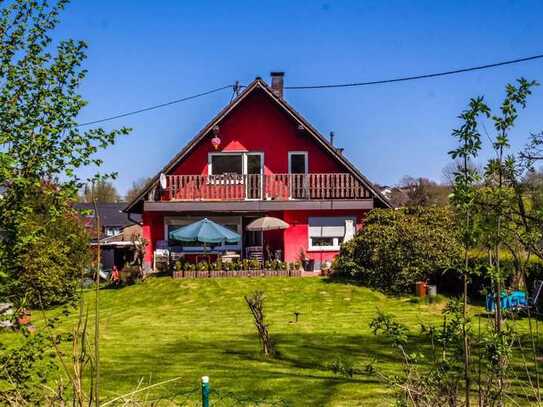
column 397, row 248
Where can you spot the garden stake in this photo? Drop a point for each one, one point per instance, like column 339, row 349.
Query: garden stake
column 205, row 391
column 296, row 314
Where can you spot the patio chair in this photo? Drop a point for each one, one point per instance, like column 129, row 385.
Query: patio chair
column 255, row 253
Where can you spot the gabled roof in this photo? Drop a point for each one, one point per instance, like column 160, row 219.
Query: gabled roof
column 258, row 83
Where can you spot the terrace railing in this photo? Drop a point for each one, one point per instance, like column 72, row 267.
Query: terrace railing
column 236, row 187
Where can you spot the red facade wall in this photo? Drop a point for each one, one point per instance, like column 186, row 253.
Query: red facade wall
column 296, row 236
column 290, row 240
column 258, row 124
column 153, row 230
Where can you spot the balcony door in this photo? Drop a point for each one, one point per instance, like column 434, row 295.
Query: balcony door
column 241, row 172
column 297, row 169
column 254, row 168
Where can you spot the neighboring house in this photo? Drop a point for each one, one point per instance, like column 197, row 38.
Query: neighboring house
column 397, row 196
column 116, row 231
column 259, row 157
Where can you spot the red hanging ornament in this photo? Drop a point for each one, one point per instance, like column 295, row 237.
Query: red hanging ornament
column 216, row 140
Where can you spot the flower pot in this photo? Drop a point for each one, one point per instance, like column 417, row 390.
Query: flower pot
column 24, row 320
column 309, row 265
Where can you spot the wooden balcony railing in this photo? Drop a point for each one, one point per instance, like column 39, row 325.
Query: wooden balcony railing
column 234, row 187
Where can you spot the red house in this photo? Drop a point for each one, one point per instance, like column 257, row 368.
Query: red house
column 259, row 157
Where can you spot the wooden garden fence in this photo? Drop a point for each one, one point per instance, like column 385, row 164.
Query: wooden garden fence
column 236, row 273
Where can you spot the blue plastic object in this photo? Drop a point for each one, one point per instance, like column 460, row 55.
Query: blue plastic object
column 515, row 299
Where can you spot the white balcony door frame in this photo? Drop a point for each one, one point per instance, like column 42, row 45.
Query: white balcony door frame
column 261, row 173
column 306, row 169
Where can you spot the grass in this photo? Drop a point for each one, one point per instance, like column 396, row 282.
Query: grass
column 166, row 328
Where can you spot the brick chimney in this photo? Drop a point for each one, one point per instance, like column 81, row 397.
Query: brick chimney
column 277, row 83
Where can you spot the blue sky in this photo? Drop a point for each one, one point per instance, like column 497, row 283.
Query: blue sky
column 148, row 52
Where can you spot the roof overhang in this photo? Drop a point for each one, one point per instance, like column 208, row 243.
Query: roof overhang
column 257, row 206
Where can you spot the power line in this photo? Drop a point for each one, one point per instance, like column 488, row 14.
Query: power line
column 415, row 77
column 236, row 87
column 146, row 109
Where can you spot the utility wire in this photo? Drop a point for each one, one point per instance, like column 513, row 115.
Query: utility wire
column 426, row 76
column 236, row 87
column 146, row 109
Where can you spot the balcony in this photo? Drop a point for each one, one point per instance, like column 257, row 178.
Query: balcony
column 256, row 187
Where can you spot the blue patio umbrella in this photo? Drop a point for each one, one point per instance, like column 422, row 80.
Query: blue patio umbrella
column 205, row 231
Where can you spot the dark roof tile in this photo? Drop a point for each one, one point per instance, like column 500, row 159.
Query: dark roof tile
column 111, row 214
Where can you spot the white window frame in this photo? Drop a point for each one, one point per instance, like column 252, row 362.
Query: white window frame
column 291, row 153
column 210, row 165
column 336, row 245
column 111, row 231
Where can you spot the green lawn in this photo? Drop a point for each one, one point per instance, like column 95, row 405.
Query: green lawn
column 166, row 328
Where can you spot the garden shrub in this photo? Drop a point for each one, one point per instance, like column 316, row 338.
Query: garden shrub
column 396, row 248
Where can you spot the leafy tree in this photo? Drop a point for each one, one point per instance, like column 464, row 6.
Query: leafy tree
column 463, row 199
column 501, row 179
column 136, row 188
column 53, row 260
column 102, row 191
column 487, row 213
column 421, row 192
column 450, row 170
column 41, row 144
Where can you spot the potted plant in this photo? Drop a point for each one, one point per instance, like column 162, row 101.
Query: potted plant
column 254, row 264
column 326, row 268
column 24, row 317
column 236, row 265
column 203, row 266
column 307, row 263
column 189, row 267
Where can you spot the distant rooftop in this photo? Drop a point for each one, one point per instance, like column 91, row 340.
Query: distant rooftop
column 110, row 213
